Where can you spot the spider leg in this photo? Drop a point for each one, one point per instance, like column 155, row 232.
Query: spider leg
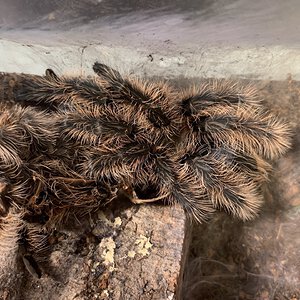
column 217, row 93
column 34, row 247
column 251, row 165
column 265, row 136
column 153, row 100
column 106, row 72
column 96, row 127
column 25, row 131
column 226, row 186
column 50, row 74
column 259, row 134
column 51, row 92
column 234, row 117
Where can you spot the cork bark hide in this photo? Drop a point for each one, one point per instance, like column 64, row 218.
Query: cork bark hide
column 148, row 262
column 134, row 253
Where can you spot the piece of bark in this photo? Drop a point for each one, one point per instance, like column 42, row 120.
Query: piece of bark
column 150, row 254
column 134, row 253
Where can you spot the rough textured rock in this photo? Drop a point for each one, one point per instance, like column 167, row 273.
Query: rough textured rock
column 152, row 249
column 136, row 252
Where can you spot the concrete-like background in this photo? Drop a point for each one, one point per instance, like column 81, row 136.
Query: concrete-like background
column 208, row 38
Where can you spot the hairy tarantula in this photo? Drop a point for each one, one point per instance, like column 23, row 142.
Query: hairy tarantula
column 70, row 145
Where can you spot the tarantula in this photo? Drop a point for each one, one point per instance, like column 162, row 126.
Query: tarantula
column 70, row 143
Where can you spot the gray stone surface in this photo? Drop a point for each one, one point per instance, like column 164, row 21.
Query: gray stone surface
column 165, row 38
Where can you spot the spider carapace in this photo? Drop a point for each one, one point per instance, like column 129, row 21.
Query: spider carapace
column 71, row 145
